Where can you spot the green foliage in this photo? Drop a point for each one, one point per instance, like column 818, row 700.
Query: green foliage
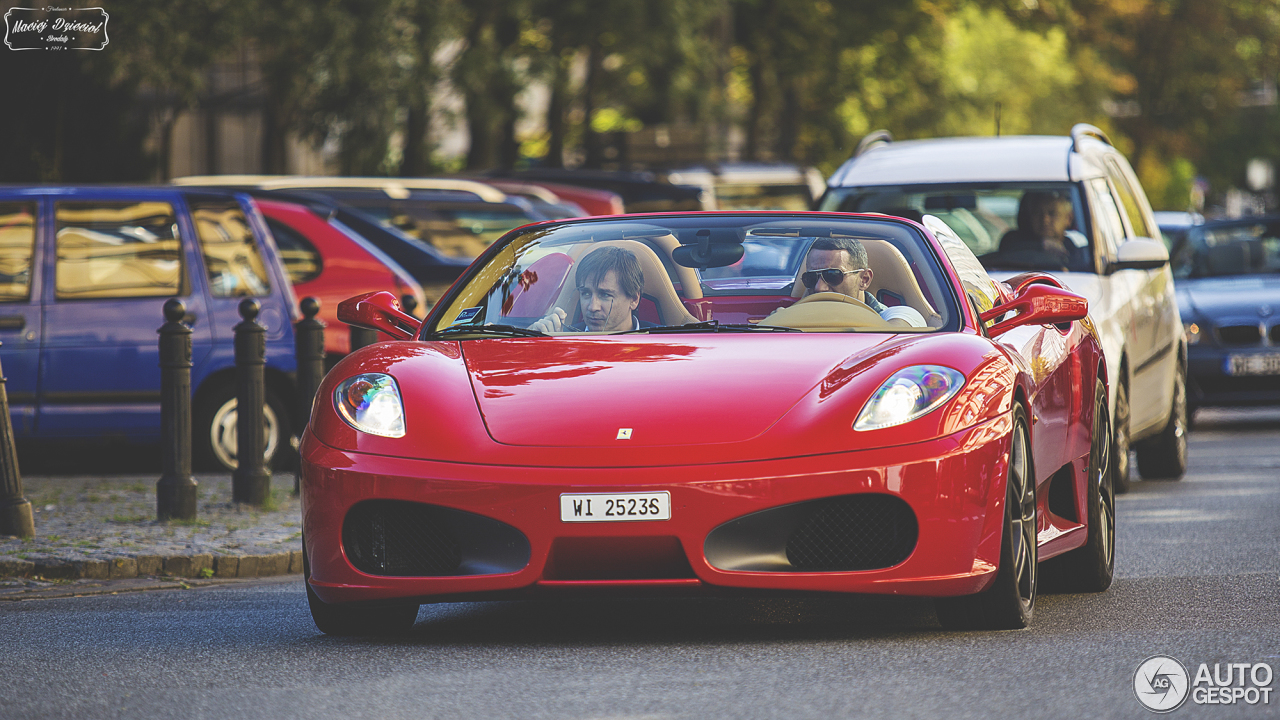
column 1176, row 82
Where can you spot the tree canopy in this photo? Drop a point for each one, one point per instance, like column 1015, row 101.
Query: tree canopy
column 1186, row 87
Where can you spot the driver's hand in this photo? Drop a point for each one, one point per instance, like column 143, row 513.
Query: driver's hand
column 553, row 321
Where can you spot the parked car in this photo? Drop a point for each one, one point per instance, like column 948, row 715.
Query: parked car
column 457, row 217
column 988, row 189
column 550, row 204
column 821, row 448
column 1174, row 226
column 85, row 273
column 592, row 201
column 1228, row 279
column 325, row 259
column 640, row 191
column 753, row 186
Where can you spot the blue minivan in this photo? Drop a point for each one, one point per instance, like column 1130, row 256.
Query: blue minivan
column 84, row 274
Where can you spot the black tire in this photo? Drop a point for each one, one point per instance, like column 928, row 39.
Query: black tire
column 356, row 619
column 1164, row 457
column 1120, row 437
column 213, row 429
column 1091, row 567
column 1009, row 603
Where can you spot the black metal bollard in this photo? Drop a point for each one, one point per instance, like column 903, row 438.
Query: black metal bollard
column 361, row 337
column 308, row 339
column 176, row 490
column 250, row 483
column 15, row 509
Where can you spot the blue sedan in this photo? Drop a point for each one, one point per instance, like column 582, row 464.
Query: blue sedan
column 1228, row 285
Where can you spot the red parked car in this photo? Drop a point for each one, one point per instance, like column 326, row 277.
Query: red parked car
column 682, row 403
column 331, row 263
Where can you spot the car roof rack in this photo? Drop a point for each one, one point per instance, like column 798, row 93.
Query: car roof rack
column 873, row 139
column 1083, row 130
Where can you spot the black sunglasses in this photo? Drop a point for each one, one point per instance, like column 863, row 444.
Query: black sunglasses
column 831, row 276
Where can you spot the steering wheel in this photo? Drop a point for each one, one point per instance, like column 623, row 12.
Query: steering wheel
column 833, row 297
column 826, row 311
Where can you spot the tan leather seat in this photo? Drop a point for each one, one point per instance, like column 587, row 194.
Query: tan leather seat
column 890, row 271
column 657, row 284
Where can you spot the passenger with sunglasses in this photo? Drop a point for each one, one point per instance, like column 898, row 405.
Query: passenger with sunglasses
column 840, row 265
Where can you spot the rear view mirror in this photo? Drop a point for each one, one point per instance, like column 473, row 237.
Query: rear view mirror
column 1037, row 304
column 1141, row 254
column 379, row 311
column 951, row 202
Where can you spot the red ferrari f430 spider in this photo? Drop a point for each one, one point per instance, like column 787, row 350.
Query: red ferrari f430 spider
column 700, row 403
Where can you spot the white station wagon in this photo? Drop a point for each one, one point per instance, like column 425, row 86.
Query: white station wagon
column 1071, row 206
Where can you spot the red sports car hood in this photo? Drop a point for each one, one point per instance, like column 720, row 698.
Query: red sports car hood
column 648, row 391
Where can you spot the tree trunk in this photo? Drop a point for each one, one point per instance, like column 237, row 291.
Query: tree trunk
column 417, row 149
column 592, row 142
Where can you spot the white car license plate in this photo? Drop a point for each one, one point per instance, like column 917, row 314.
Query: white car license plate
column 1255, row 364
column 615, row 507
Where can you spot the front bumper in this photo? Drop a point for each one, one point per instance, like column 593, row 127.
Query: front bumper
column 1209, row 385
column 954, row 485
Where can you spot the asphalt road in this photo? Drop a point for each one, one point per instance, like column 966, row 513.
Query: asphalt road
column 1198, row 579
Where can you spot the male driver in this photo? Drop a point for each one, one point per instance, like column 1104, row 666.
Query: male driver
column 609, row 281
column 840, row 265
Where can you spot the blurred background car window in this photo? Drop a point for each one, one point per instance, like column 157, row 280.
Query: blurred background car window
column 302, row 261
column 17, row 243
column 231, row 256
column 117, row 250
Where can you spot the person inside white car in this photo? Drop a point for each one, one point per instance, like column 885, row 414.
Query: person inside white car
column 1044, row 227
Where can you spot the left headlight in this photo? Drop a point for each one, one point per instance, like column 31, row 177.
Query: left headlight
column 908, row 394
column 371, row 404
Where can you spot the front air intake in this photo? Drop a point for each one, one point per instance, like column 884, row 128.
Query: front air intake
column 854, row 532
column 866, row 531
column 400, row 539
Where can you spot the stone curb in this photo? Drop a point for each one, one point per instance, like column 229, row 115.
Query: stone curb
column 191, row 566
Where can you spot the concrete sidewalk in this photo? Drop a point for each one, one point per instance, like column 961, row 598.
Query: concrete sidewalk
column 104, row 528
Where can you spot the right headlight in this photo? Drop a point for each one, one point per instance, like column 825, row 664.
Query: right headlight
column 908, row 394
column 371, row 404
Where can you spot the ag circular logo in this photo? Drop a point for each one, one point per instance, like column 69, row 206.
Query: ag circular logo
column 1161, row 684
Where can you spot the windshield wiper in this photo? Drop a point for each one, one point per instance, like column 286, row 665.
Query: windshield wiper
column 495, row 330
column 709, row 325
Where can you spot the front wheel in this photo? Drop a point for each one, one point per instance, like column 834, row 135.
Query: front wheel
column 1120, row 438
column 1010, row 602
column 1090, row 568
column 1164, row 457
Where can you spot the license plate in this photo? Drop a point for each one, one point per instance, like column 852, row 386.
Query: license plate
column 1255, row 364
column 615, row 507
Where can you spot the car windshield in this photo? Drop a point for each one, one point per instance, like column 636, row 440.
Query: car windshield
column 704, row 273
column 1249, row 248
column 1009, row 226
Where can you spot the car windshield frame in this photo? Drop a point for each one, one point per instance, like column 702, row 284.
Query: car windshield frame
column 500, row 289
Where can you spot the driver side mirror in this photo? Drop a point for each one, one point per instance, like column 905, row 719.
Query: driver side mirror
column 1037, row 304
column 379, row 311
column 1141, row 254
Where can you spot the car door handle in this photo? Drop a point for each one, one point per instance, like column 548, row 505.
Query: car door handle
column 189, row 318
column 13, row 322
